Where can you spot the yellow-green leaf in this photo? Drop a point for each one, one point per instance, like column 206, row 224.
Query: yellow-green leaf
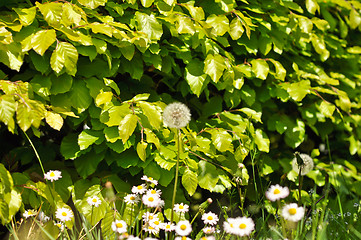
column 260, row 68
column 92, row 3
column 51, row 11
column 214, row 66
column 152, row 113
column 236, row 29
column 42, row 40
column 103, row 97
column 54, row 120
column 65, row 55
column 141, row 147
column 70, row 16
column 219, row 24
column 312, row 6
column 127, row 126
column 26, row 15
column 261, row 140
column 190, row 181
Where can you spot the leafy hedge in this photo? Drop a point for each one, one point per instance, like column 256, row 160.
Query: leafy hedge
column 88, row 80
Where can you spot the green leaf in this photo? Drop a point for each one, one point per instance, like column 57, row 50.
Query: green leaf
column 4, row 212
column 261, row 140
column 70, row 16
column 103, row 97
column 79, row 95
column 236, row 29
column 207, row 175
column 54, row 120
column 153, row 114
column 195, row 76
column 185, row 25
column 280, row 70
column 87, row 164
column 260, row 68
column 42, row 40
column 152, row 138
column 312, row 6
column 164, row 162
column 147, row 3
column 61, row 84
column 26, row 15
column 298, row 90
column 51, row 11
column 30, row 114
column 64, row 55
column 141, row 147
column 149, row 25
column 92, row 214
column 6, row 180
column 190, row 181
column 320, row 47
column 219, row 24
column 222, row 140
column 86, row 138
column 41, row 63
column 112, row 84
column 327, row 109
column 69, row 147
column 127, row 126
column 7, row 110
column 355, row 19
column 92, row 4
column 115, row 115
column 214, row 66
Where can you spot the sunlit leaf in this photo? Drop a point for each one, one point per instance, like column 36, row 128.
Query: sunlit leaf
column 42, row 40
column 127, row 126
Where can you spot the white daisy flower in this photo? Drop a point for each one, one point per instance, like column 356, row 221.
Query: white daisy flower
column 131, row 199
column 181, row 208
column 140, row 189
column 150, row 180
column 122, row 236
column 155, row 224
column 243, row 226
column 60, row 225
column 94, row 201
column 230, row 225
column 168, row 227
column 208, row 238
column 303, row 161
column 53, row 175
column 64, row 214
column 209, row 230
column 154, row 191
column 151, row 201
column 148, row 216
column 182, row 238
column 161, row 203
column 293, row 212
column 210, row 218
column 119, row 226
column 29, row 213
column 131, row 237
column 151, row 230
column 276, row 192
column 176, row 115
column 183, row 228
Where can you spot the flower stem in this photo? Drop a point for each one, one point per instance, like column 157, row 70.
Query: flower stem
column 176, row 175
column 36, row 152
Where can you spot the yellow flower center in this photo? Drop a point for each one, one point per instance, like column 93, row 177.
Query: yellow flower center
column 140, row 187
column 150, row 217
column 132, row 198
column 156, row 222
column 242, row 226
column 276, row 191
column 58, row 224
column 181, row 207
column 183, row 227
column 203, row 238
column 119, row 225
column 64, row 214
column 167, row 227
column 30, row 212
column 52, row 174
column 153, row 191
column 231, row 225
column 150, row 199
column 292, row 211
column 210, row 218
column 184, row 238
column 94, row 200
column 150, row 178
column 150, row 227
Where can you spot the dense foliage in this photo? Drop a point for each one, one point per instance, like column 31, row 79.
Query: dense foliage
column 87, row 81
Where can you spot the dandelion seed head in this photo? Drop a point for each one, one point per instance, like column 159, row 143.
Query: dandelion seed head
column 176, row 115
column 306, row 165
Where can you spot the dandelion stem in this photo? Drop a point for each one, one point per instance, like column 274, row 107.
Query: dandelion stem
column 36, row 152
column 176, row 175
column 300, row 180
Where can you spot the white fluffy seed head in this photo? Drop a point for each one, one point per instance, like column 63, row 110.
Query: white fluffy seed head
column 306, row 165
column 176, row 115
